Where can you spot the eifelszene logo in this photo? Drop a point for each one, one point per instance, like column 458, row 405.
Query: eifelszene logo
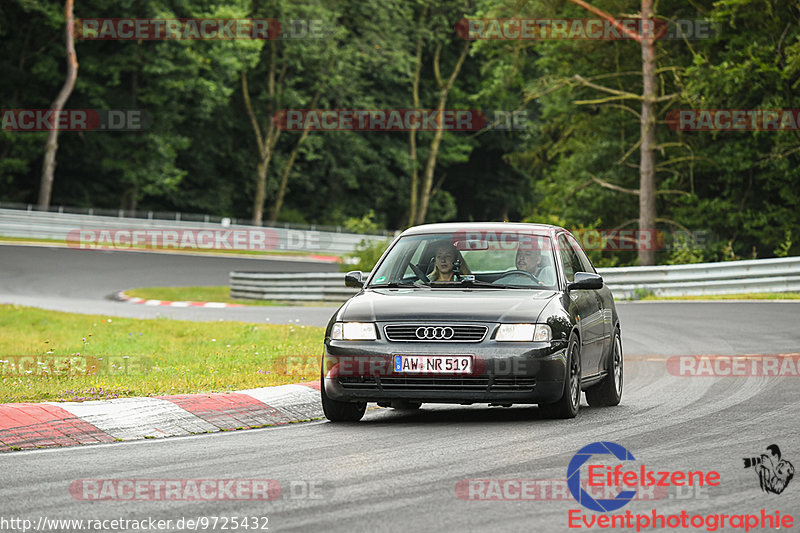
column 612, row 477
column 574, row 477
column 774, row 473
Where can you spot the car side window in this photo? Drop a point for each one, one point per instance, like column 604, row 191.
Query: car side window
column 415, row 259
column 586, row 265
column 569, row 259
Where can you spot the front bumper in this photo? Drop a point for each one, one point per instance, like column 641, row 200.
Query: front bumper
column 503, row 372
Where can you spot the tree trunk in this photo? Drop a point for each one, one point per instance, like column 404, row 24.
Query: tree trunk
column 647, row 186
column 130, row 201
column 266, row 143
column 276, row 207
column 427, row 179
column 49, row 164
column 261, row 191
column 412, row 135
column 264, row 159
column 647, row 182
column 412, row 155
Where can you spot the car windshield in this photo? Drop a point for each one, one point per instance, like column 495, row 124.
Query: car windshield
column 493, row 259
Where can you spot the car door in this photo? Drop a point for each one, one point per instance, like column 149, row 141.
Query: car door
column 603, row 299
column 584, row 306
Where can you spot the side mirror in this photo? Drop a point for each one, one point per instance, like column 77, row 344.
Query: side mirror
column 585, row 281
column 353, row 279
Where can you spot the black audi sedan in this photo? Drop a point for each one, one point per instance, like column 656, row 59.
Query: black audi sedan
column 497, row 313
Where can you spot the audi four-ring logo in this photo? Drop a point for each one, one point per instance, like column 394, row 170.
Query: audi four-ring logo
column 436, row 332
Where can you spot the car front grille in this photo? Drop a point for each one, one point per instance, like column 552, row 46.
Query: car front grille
column 444, row 384
column 435, row 332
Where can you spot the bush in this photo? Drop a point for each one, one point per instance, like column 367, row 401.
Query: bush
column 365, row 256
column 367, row 252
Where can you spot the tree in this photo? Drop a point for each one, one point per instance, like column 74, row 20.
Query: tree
column 440, row 33
column 303, row 90
column 433, row 151
column 49, row 165
column 647, row 118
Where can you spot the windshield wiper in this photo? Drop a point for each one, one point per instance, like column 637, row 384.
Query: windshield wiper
column 467, row 283
column 479, row 283
column 398, row 285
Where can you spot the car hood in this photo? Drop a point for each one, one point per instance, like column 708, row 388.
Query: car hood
column 454, row 305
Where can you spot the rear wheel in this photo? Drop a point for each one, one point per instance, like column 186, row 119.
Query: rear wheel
column 337, row 411
column 568, row 405
column 608, row 392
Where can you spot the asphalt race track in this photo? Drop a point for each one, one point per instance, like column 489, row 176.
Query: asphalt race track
column 80, row 281
column 398, row 470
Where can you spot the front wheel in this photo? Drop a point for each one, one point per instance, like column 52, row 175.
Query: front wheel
column 569, row 403
column 337, row 411
column 608, row 392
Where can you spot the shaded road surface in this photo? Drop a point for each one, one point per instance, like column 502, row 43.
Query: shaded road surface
column 398, row 471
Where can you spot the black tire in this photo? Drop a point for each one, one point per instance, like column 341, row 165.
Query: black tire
column 608, row 392
column 569, row 403
column 337, row 411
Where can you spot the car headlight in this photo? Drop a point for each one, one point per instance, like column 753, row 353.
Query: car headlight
column 524, row 333
column 354, row 331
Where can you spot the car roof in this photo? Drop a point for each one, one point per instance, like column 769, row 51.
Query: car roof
column 451, row 227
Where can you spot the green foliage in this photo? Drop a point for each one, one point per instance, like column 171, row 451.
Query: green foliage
column 200, row 155
column 364, row 224
column 365, row 256
column 785, row 246
column 685, row 251
column 367, row 252
column 640, row 293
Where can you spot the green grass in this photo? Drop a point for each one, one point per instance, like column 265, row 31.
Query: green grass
column 747, row 296
column 98, row 357
column 192, row 294
column 30, row 239
column 205, row 294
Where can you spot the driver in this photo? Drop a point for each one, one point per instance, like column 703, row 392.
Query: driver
column 445, row 258
column 533, row 262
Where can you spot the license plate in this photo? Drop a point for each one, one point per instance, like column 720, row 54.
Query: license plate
column 433, row 364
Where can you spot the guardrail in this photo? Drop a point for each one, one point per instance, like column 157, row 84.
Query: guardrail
column 33, row 224
column 730, row 277
column 316, row 287
column 169, row 216
column 733, row 277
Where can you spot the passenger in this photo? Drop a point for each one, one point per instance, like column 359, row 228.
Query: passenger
column 446, row 255
column 534, row 262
